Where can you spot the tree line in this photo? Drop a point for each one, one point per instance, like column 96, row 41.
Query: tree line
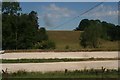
column 94, row 30
column 21, row 30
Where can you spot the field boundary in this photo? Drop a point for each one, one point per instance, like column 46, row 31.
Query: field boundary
column 39, row 50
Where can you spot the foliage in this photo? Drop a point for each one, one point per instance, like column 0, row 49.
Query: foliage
column 90, row 36
column 9, row 24
column 83, row 24
column 42, row 35
column 10, row 8
column 109, row 31
column 20, row 31
column 94, row 30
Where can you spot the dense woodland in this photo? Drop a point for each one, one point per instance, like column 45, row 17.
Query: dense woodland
column 21, row 31
column 94, row 30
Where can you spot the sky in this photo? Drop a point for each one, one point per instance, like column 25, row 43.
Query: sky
column 52, row 15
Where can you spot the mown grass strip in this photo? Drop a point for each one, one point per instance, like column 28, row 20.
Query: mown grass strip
column 53, row 60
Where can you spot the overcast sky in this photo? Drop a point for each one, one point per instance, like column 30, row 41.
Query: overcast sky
column 53, row 14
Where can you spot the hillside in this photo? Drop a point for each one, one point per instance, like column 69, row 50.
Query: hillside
column 71, row 39
column 65, row 38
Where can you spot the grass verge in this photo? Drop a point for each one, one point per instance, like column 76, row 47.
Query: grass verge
column 54, row 60
column 91, row 73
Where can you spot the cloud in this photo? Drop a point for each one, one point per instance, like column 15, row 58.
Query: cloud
column 54, row 13
column 59, row 11
column 47, row 20
column 102, row 11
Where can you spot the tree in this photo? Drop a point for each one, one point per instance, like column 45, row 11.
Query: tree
column 83, row 24
column 111, row 32
column 90, row 36
column 108, row 31
column 21, row 31
column 42, row 35
column 26, row 36
column 9, row 24
column 10, row 8
column 0, row 31
column 18, row 30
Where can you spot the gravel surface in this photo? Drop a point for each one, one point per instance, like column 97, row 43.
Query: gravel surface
column 60, row 66
column 46, row 55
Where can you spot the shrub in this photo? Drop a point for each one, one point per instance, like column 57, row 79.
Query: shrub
column 45, row 45
column 67, row 47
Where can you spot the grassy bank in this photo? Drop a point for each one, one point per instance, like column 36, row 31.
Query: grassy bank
column 53, row 60
column 65, row 38
column 92, row 73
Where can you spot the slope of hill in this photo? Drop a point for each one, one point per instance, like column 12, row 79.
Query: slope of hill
column 64, row 39
column 70, row 40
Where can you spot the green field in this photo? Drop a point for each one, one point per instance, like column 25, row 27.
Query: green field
column 70, row 39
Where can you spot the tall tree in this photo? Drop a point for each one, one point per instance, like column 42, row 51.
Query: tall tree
column 9, row 24
column 10, row 7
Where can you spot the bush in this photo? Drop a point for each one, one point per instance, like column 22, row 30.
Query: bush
column 67, row 47
column 45, row 45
